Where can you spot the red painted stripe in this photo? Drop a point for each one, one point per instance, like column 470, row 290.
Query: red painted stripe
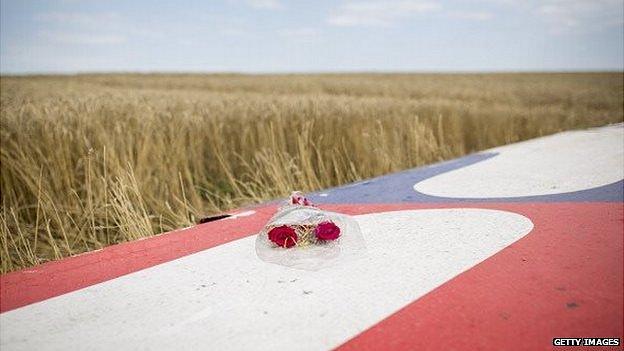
column 564, row 279
column 55, row 278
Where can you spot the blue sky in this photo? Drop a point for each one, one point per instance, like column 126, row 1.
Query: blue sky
column 310, row 36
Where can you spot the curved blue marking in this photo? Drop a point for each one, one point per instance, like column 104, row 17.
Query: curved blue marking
column 398, row 187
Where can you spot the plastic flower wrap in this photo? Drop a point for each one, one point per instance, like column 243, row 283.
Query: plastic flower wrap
column 301, row 235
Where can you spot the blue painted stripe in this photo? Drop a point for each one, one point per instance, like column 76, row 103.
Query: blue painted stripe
column 398, row 188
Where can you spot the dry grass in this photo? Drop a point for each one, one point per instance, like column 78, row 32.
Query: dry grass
column 93, row 160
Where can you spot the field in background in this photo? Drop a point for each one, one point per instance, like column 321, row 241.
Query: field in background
column 92, row 160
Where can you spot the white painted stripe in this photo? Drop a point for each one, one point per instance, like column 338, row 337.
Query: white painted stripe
column 559, row 163
column 225, row 298
column 241, row 214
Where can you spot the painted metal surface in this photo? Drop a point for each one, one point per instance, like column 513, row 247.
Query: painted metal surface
column 584, row 160
column 579, row 166
column 442, row 272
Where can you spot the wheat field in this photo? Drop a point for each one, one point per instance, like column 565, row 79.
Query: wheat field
column 93, row 160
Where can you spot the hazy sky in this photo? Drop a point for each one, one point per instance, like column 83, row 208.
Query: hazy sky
column 310, row 36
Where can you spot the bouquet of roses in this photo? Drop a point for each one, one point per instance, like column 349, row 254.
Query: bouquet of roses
column 305, row 233
column 301, row 235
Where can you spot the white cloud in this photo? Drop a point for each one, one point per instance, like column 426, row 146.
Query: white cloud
column 81, row 28
column 86, row 28
column 565, row 16
column 568, row 16
column 232, row 31
column 299, row 32
column 378, row 13
column 471, row 15
column 82, row 38
column 301, row 35
column 265, row 4
column 79, row 18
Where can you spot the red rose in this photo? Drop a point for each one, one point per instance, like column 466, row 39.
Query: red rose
column 297, row 198
column 327, row 231
column 283, row 236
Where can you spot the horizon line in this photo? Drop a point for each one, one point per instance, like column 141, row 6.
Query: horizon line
column 311, row 72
